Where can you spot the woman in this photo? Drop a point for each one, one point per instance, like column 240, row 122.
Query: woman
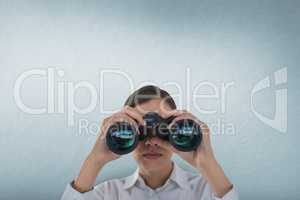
column 157, row 176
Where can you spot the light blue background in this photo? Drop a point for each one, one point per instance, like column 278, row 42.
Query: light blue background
column 220, row 41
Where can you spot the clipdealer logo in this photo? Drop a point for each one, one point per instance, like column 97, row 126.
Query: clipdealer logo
column 279, row 121
column 59, row 91
column 61, row 97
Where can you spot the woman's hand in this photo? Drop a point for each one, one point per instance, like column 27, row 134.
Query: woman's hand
column 100, row 150
column 203, row 157
column 100, row 154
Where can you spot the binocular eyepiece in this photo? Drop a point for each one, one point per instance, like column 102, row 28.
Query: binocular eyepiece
column 184, row 135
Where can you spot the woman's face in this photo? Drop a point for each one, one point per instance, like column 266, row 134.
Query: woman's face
column 148, row 154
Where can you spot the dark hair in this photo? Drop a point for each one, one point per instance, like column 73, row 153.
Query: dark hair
column 147, row 93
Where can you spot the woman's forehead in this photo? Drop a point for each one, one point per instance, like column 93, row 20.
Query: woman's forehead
column 154, row 105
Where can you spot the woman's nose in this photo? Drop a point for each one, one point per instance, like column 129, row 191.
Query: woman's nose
column 151, row 142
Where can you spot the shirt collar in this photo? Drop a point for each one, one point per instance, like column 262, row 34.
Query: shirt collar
column 177, row 175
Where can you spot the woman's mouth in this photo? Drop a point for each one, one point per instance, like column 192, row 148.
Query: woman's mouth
column 152, row 156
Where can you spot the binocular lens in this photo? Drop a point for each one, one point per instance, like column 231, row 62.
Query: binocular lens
column 121, row 138
column 186, row 136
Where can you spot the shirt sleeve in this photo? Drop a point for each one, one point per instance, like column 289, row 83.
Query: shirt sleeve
column 71, row 194
column 230, row 195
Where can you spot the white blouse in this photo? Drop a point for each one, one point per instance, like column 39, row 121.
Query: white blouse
column 180, row 185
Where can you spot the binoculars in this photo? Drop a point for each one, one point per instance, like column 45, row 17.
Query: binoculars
column 184, row 135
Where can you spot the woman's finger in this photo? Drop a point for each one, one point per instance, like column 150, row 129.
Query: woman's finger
column 168, row 113
column 182, row 117
column 119, row 117
column 134, row 114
